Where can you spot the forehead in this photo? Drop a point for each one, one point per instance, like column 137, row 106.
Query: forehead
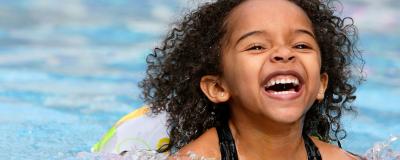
column 264, row 14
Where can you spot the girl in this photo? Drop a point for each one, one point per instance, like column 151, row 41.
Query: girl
column 255, row 79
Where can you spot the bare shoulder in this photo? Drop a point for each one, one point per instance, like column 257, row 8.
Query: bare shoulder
column 332, row 152
column 205, row 146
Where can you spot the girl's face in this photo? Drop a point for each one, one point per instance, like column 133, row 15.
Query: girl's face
column 271, row 61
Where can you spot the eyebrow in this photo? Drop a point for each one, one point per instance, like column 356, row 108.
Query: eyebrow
column 306, row 32
column 262, row 32
column 249, row 34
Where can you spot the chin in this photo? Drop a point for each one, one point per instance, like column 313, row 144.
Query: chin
column 287, row 116
column 288, row 120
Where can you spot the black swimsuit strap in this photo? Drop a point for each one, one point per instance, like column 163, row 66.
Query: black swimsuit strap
column 228, row 147
column 311, row 148
column 227, row 143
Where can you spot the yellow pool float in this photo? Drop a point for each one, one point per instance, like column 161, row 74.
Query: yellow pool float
column 137, row 130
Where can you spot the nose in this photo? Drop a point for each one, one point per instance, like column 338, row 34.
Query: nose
column 282, row 55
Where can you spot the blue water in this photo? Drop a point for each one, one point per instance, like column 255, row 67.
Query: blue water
column 68, row 71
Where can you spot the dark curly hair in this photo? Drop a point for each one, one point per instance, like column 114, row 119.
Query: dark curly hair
column 192, row 49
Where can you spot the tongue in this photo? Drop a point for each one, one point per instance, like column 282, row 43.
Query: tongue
column 281, row 87
column 270, row 90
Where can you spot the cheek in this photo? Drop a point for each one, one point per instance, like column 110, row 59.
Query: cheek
column 241, row 74
column 313, row 68
column 312, row 62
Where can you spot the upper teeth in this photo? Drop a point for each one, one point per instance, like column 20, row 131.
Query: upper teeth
column 294, row 81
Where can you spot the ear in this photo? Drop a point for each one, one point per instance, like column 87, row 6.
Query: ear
column 213, row 89
column 323, row 86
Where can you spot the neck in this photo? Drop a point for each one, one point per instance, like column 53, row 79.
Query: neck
column 257, row 136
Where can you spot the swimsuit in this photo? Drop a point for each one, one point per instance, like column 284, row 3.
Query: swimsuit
column 228, row 147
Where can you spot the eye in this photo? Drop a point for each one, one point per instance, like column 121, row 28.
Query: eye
column 302, row 46
column 256, row 48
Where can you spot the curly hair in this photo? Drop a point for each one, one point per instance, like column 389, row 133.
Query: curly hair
column 192, row 49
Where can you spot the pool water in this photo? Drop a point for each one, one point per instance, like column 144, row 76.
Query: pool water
column 68, row 71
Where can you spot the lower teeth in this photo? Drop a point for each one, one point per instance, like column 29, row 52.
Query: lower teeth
column 284, row 92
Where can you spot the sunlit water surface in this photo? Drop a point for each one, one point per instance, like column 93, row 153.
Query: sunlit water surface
column 68, row 71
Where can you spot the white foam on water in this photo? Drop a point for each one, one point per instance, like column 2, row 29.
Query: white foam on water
column 130, row 155
column 387, row 150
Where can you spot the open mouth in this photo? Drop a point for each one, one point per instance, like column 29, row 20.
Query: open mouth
column 284, row 85
column 281, row 86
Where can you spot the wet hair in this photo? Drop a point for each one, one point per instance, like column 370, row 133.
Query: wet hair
column 192, row 50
